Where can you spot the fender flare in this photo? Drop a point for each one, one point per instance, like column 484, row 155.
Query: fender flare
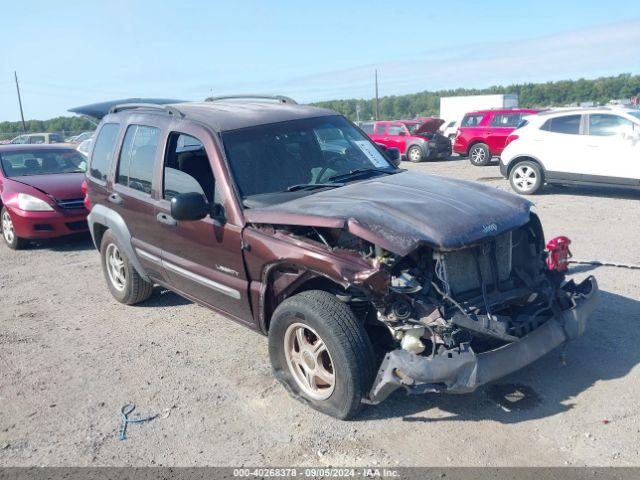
column 522, row 158
column 106, row 217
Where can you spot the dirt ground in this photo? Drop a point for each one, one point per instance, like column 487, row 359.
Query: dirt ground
column 71, row 357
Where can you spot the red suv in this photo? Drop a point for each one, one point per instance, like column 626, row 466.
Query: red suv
column 417, row 140
column 483, row 133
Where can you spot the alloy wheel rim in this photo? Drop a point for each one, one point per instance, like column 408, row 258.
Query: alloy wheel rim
column 478, row 155
column 7, row 228
column 309, row 361
column 524, row 177
column 115, row 267
column 414, row 154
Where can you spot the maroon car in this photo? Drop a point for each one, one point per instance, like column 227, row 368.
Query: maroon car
column 40, row 191
column 483, row 133
column 365, row 277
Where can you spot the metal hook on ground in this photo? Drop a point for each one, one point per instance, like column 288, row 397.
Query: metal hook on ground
column 125, row 411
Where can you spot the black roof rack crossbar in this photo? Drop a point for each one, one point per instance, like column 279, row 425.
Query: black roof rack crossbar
column 151, row 106
column 250, row 96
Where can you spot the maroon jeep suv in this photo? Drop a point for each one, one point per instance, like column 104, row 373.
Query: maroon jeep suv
column 287, row 219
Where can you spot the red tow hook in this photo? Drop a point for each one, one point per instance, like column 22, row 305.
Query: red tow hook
column 558, row 254
column 86, row 202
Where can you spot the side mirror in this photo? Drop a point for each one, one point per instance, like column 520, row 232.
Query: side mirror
column 393, row 154
column 189, row 206
column 402, row 133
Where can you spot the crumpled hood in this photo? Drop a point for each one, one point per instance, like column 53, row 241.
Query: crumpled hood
column 61, row 186
column 399, row 212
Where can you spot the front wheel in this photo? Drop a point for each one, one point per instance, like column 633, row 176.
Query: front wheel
column 479, row 155
column 526, row 178
column 12, row 240
column 414, row 154
column 321, row 354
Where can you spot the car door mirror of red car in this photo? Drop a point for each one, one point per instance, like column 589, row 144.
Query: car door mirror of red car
column 402, row 133
column 189, row 206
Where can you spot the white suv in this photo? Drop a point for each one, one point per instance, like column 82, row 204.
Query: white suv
column 596, row 146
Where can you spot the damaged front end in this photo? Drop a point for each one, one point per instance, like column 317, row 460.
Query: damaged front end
column 466, row 317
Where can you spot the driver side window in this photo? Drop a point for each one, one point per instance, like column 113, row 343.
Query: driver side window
column 187, row 168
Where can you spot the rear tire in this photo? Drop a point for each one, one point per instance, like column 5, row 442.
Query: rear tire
column 335, row 380
column 479, row 155
column 13, row 241
column 526, row 177
column 124, row 282
column 414, row 154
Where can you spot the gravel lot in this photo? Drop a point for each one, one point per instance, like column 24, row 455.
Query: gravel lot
column 71, row 357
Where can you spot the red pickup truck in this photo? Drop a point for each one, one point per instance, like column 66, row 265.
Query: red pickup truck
column 417, row 140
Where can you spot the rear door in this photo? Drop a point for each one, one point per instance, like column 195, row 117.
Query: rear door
column 379, row 133
column 132, row 194
column 202, row 258
column 500, row 127
column 560, row 147
column 613, row 149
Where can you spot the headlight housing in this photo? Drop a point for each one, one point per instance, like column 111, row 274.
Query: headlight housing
column 29, row 203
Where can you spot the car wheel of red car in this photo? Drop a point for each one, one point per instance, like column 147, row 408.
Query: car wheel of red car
column 12, row 240
column 414, row 154
column 125, row 283
column 479, row 155
column 321, row 353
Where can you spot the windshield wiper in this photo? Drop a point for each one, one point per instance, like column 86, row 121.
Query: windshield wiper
column 312, row 186
column 359, row 171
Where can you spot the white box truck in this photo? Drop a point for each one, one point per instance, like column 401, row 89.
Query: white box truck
column 452, row 109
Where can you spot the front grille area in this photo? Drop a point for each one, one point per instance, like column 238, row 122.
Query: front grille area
column 79, row 225
column 75, row 203
column 463, row 270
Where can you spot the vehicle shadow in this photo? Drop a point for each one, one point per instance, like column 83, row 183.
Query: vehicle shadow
column 164, row 298
column 69, row 243
column 607, row 351
column 591, row 191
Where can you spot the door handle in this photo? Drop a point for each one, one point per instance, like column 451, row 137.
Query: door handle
column 115, row 198
column 166, row 219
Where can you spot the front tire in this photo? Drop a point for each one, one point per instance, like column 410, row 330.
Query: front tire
column 526, row 177
column 414, row 154
column 13, row 241
column 321, row 353
column 124, row 282
column 480, row 155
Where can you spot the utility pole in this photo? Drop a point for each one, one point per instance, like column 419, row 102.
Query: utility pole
column 24, row 126
column 377, row 108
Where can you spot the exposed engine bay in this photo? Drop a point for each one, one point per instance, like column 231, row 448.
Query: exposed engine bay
column 457, row 303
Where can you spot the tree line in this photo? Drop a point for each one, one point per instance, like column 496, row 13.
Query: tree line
column 549, row 94
column 427, row 103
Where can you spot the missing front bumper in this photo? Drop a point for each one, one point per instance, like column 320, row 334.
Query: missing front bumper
column 463, row 371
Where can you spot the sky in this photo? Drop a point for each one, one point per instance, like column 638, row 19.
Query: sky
column 70, row 53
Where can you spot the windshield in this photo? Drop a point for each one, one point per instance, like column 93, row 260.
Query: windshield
column 42, row 162
column 275, row 157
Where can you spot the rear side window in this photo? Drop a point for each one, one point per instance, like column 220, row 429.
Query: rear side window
column 472, row 120
column 135, row 169
column 569, row 124
column 103, row 151
column 367, row 128
column 381, row 128
column 509, row 120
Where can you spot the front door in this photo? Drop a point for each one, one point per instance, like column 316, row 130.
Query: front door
column 613, row 148
column 202, row 258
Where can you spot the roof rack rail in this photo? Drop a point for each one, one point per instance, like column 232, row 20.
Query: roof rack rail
column 151, row 106
column 250, row 96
